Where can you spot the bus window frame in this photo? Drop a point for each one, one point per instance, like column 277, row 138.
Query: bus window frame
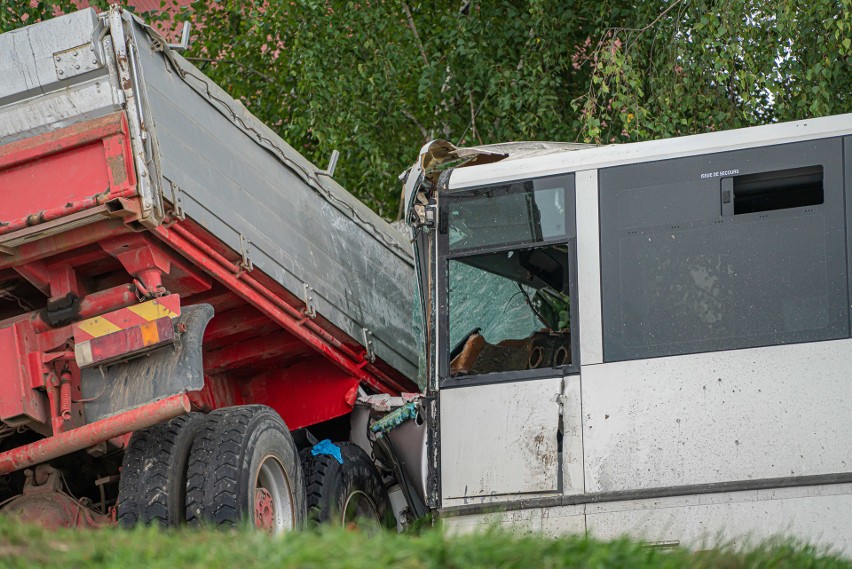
column 445, row 255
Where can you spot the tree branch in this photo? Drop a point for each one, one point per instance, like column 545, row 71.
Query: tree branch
column 473, row 132
column 414, row 31
column 657, row 19
column 416, row 122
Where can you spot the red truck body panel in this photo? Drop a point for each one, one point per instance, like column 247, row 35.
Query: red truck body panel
column 65, row 171
column 267, row 349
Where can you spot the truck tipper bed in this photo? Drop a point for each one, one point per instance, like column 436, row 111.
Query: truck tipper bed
column 163, row 251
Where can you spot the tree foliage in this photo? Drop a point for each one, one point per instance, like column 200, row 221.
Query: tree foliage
column 376, row 79
column 699, row 66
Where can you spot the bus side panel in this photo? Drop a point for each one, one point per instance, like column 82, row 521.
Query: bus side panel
column 779, row 411
column 816, row 514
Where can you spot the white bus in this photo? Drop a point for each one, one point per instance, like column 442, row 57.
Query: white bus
column 649, row 339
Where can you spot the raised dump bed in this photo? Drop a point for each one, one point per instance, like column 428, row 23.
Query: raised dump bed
column 161, row 251
column 201, row 154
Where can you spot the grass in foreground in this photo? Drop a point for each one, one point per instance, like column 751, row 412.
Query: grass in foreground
column 31, row 547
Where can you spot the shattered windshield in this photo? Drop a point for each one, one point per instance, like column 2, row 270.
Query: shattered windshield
column 508, row 277
column 509, row 311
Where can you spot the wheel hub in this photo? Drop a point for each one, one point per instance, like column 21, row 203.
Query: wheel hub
column 264, row 509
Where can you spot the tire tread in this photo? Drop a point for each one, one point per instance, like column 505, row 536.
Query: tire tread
column 323, row 482
column 150, row 465
column 215, row 464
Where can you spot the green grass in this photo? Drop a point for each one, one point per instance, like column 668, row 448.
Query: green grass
column 30, row 547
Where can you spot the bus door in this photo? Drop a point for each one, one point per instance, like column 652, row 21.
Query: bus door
column 507, row 337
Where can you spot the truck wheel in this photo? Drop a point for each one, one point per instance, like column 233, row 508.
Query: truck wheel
column 152, row 488
column 244, row 467
column 345, row 494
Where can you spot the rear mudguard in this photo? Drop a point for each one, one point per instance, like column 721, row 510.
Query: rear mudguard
column 164, row 372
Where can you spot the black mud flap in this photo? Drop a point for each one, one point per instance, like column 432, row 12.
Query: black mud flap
column 166, row 371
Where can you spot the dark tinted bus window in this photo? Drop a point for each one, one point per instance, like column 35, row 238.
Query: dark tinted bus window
column 679, row 276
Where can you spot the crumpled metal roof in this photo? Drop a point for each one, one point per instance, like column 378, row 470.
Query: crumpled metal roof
column 516, row 150
column 440, row 152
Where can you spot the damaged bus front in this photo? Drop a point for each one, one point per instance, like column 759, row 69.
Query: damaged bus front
column 649, row 339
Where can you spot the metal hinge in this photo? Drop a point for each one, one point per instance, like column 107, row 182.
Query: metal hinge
column 177, row 205
column 429, row 214
column 246, row 262
column 310, row 309
column 368, row 345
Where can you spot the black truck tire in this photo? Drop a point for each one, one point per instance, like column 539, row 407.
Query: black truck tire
column 244, row 468
column 152, row 487
column 348, row 493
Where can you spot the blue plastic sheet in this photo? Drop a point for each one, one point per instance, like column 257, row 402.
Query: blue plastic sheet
column 327, row 447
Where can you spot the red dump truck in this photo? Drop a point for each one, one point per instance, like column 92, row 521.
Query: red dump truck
column 174, row 281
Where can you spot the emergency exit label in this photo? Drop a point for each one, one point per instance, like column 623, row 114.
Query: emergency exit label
column 720, row 173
